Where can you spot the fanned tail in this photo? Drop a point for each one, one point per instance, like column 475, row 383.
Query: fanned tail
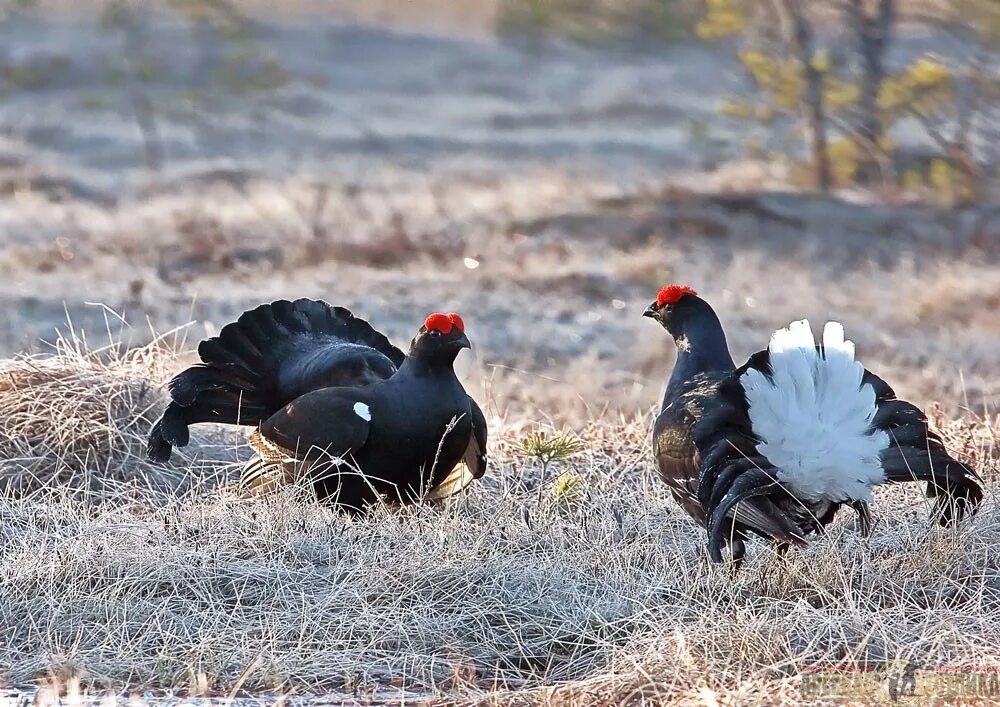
column 812, row 412
column 802, row 429
column 269, row 356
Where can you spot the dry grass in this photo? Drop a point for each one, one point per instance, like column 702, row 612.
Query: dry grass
column 563, row 265
column 503, row 596
column 591, row 587
column 75, row 422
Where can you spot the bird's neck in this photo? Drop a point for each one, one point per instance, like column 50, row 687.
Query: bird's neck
column 701, row 348
column 431, row 369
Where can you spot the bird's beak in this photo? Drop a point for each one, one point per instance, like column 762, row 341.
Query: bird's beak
column 464, row 342
column 650, row 312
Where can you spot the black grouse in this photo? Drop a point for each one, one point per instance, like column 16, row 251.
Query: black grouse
column 778, row 445
column 336, row 403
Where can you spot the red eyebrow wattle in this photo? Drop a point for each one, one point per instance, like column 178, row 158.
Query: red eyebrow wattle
column 671, row 294
column 457, row 321
column 439, row 322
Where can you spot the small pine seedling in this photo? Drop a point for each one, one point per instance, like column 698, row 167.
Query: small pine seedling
column 549, row 448
column 568, row 490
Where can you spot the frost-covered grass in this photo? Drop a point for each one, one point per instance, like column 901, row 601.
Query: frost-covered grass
column 594, row 591
column 539, row 195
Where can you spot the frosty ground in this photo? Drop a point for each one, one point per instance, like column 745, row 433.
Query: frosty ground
column 120, row 574
column 546, row 197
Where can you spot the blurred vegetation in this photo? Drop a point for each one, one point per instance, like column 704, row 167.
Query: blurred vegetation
column 596, row 21
column 241, row 64
column 818, row 71
column 849, row 101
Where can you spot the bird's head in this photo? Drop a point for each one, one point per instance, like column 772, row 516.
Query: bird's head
column 440, row 339
column 673, row 307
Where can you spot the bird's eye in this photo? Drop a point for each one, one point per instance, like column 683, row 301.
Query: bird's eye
column 667, row 308
column 434, row 332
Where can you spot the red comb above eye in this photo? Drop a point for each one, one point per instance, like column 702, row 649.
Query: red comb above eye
column 439, row 322
column 671, row 294
column 457, row 321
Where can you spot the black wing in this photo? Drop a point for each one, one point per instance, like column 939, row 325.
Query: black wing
column 290, row 446
column 676, row 455
column 475, row 454
column 344, row 414
column 270, row 356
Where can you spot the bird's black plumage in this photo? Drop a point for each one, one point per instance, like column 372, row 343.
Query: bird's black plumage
column 333, row 399
column 707, row 449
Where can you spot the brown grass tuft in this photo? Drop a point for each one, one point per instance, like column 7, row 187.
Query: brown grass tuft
column 78, row 419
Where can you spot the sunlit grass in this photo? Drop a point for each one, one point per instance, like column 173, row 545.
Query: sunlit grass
column 166, row 579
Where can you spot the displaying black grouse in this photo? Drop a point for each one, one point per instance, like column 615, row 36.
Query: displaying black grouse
column 335, row 401
column 778, row 445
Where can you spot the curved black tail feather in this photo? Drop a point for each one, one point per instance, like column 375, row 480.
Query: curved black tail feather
column 916, row 453
column 268, row 357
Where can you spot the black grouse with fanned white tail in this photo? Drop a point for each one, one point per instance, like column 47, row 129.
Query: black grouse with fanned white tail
column 335, row 403
column 777, row 446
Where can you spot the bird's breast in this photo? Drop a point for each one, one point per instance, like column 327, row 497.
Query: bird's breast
column 417, row 421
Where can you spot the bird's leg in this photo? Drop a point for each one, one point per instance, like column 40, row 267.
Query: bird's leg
column 737, row 552
column 864, row 519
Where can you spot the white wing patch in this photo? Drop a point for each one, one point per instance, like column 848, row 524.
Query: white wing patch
column 814, row 417
column 362, row 411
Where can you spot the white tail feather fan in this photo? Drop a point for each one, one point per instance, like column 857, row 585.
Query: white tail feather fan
column 814, row 416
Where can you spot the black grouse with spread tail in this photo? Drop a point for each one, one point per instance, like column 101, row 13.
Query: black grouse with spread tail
column 778, row 445
column 335, row 401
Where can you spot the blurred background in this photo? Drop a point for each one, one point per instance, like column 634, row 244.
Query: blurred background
column 541, row 166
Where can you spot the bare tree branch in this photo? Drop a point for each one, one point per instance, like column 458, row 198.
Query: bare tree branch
column 813, row 98
column 872, row 33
